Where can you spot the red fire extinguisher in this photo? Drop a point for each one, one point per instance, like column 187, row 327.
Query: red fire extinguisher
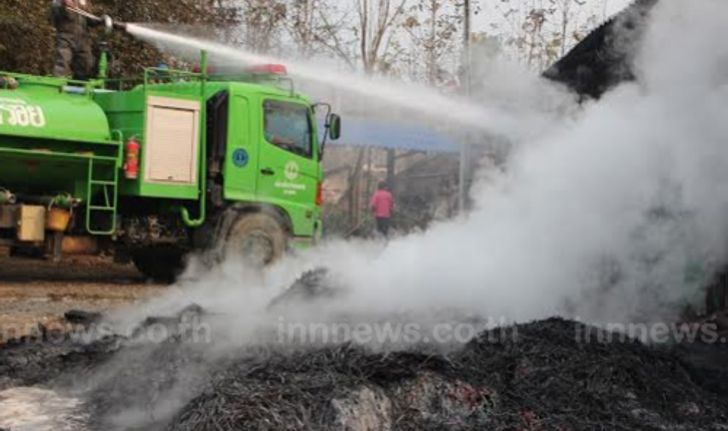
column 131, row 158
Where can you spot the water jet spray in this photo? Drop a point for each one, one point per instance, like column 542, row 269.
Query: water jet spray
column 448, row 110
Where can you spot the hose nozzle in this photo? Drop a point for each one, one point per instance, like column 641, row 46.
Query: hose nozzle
column 108, row 23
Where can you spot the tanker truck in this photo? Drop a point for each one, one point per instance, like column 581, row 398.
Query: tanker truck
column 178, row 162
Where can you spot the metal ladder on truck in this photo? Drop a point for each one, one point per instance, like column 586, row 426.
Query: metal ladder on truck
column 103, row 196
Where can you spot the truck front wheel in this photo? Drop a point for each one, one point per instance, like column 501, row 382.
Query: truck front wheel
column 258, row 238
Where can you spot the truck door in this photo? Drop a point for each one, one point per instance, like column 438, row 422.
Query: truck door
column 241, row 157
column 288, row 160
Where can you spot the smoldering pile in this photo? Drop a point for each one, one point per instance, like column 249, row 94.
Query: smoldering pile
column 542, row 379
column 112, row 373
column 50, row 354
column 537, row 376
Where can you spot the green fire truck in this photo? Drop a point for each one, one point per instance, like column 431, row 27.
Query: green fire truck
column 177, row 162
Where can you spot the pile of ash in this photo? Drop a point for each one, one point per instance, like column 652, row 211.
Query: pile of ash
column 544, row 378
column 537, row 376
column 121, row 379
column 49, row 357
column 555, row 377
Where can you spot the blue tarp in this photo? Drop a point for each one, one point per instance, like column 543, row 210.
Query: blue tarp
column 370, row 133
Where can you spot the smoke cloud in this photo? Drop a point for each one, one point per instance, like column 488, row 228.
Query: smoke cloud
column 614, row 212
column 618, row 214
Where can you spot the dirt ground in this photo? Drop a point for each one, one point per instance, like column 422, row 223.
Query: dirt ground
column 34, row 291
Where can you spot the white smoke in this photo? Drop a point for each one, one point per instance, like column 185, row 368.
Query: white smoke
column 616, row 214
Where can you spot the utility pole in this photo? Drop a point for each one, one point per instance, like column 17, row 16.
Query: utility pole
column 467, row 85
column 466, row 44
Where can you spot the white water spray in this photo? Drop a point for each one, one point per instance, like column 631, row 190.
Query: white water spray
column 448, row 110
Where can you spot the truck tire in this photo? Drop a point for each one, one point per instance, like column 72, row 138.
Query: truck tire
column 161, row 264
column 260, row 239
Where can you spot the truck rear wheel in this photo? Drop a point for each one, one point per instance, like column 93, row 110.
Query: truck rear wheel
column 258, row 238
column 161, row 264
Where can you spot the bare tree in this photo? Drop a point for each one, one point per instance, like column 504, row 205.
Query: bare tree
column 303, row 23
column 260, row 23
column 567, row 14
column 317, row 26
column 351, row 30
column 540, row 31
column 377, row 20
column 433, row 27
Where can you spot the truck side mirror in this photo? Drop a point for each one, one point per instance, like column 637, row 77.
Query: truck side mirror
column 334, row 127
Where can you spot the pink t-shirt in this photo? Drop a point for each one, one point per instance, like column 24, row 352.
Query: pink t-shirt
column 382, row 203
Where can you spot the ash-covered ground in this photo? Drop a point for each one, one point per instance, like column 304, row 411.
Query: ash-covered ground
column 547, row 375
column 37, row 292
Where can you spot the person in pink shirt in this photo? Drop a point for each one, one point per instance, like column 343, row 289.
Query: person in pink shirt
column 382, row 205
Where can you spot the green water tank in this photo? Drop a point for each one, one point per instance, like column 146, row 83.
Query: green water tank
column 51, row 112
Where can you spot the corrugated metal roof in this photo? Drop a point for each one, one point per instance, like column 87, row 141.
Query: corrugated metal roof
column 357, row 132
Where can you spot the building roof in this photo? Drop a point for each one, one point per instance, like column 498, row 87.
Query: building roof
column 603, row 59
column 358, row 132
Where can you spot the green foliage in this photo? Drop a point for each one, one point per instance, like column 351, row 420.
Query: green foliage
column 26, row 41
column 27, row 38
